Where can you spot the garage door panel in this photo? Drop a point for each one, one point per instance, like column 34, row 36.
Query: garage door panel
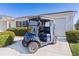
column 60, row 27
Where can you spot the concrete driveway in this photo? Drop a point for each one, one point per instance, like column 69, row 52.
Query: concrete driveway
column 61, row 48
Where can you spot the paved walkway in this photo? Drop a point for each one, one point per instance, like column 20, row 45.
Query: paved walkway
column 61, row 48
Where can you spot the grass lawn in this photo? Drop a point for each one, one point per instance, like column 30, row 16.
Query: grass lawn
column 74, row 48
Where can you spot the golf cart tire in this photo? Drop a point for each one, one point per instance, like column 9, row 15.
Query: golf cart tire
column 24, row 43
column 55, row 40
column 33, row 47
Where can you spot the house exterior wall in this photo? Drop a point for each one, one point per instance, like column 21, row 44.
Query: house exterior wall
column 19, row 19
column 63, row 24
column 7, row 24
column 69, row 23
column 3, row 25
column 12, row 24
column 60, row 26
column 66, row 24
column 62, row 21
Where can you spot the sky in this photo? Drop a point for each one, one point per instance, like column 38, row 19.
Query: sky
column 28, row 9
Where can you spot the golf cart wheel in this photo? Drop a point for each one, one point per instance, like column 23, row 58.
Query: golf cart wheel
column 24, row 43
column 33, row 47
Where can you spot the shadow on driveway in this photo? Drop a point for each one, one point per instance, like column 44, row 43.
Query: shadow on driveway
column 18, row 47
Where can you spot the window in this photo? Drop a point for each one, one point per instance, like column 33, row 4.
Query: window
column 33, row 23
column 21, row 23
column 18, row 23
column 24, row 23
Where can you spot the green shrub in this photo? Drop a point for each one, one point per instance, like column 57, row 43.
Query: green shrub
column 6, row 38
column 72, row 36
column 9, row 32
column 77, row 26
column 20, row 31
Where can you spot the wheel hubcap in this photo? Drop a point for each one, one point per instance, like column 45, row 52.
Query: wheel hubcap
column 33, row 47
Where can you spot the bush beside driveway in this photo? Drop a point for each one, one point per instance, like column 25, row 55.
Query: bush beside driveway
column 73, row 39
column 20, row 31
column 6, row 38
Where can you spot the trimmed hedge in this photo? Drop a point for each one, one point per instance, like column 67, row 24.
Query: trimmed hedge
column 19, row 31
column 6, row 38
column 72, row 36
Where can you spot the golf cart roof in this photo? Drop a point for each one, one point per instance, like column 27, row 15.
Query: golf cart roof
column 38, row 18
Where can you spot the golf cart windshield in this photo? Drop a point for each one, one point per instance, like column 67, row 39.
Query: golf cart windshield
column 34, row 26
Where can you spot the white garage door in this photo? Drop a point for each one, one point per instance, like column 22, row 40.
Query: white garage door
column 60, row 27
column 3, row 25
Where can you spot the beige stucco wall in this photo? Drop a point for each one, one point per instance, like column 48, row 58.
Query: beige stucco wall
column 3, row 25
column 13, row 24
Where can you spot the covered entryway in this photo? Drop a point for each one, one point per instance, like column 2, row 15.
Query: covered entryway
column 3, row 25
column 60, row 27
